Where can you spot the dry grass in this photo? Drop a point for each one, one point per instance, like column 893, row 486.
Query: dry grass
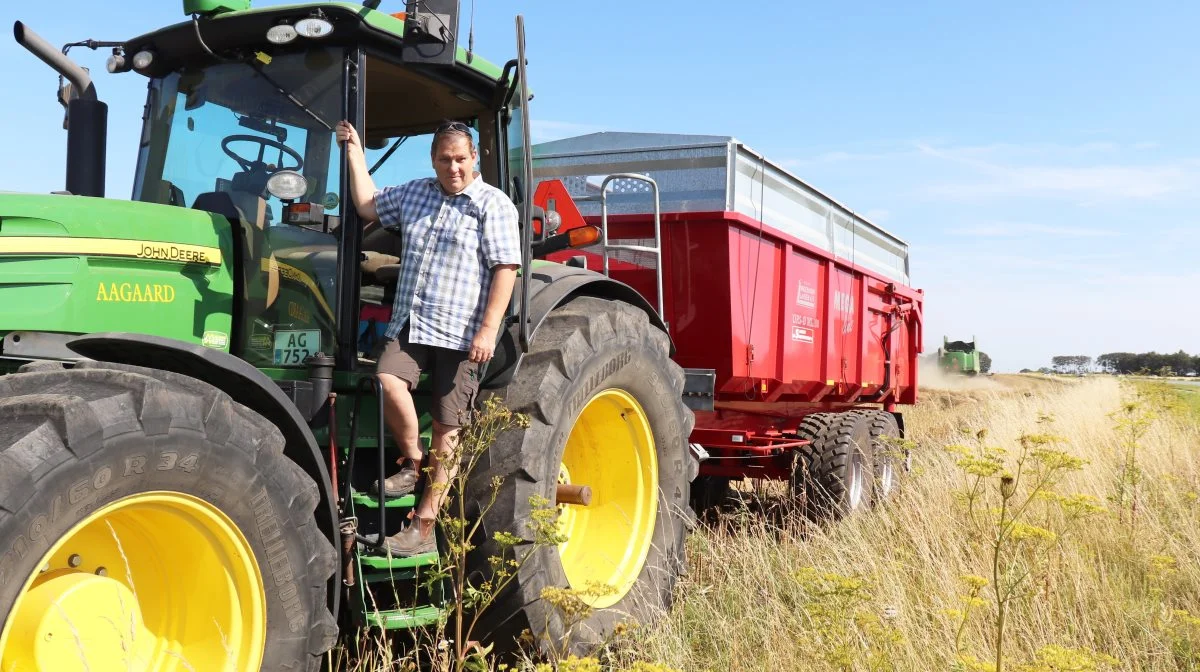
column 885, row 590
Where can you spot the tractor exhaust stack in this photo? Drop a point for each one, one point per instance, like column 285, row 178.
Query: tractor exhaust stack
column 87, row 117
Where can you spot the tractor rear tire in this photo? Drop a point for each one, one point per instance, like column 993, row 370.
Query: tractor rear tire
column 605, row 407
column 887, row 461
column 834, row 475
column 161, row 520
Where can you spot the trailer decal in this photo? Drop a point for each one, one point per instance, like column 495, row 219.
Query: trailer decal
column 807, row 295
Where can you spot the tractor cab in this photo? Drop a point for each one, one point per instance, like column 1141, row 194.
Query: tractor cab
column 239, row 122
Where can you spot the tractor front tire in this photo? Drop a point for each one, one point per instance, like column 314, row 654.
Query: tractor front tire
column 605, row 407
column 150, row 522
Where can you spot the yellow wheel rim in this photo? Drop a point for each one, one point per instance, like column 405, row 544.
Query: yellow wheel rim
column 155, row 581
column 611, row 449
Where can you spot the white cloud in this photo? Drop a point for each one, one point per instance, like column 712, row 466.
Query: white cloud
column 1019, row 229
column 1090, row 183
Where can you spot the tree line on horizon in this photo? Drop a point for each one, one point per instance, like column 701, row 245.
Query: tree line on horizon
column 1142, row 363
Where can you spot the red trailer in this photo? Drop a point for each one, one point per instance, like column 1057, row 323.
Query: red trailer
column 791, row 314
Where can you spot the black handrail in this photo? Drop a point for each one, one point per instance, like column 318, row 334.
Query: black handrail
column 358, row 394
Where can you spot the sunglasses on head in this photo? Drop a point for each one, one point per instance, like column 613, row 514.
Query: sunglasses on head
column 453, row 126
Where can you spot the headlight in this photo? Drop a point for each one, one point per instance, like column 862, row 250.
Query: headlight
column 314, row 27
column 281, row 34
column 287, row 185
column 143, row 59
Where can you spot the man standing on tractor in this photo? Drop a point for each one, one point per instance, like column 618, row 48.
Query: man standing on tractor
column 461, row 255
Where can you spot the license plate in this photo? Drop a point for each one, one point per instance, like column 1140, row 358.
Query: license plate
column 293, row 347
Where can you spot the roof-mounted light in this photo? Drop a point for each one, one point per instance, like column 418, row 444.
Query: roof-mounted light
column 314, row 27
column 143, row 59
column 117, row 62
column 281, row 34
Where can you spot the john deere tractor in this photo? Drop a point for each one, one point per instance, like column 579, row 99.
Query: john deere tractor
column 959, row 357
column 189, row 420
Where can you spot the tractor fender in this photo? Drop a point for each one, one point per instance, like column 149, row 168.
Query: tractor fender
column 244, row 384
column 551, row 285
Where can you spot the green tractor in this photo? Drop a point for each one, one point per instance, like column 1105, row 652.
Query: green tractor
column 959, row 357
column 185, row 379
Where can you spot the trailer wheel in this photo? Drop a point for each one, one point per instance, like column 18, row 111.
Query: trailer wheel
column 888, row 463
column 152, row 523
column 837, row 466
column 606, row 411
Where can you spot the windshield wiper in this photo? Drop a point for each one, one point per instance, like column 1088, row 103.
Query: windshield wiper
column 304, row 108
column 388, row 154
column 256, row 65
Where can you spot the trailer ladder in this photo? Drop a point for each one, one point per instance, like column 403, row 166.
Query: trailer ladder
column 606, row 247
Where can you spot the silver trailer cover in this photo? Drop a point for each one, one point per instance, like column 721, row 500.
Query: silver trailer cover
column 712, row 173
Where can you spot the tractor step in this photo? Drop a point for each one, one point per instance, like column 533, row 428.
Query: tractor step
column 403, row 618
column 369, row 501
column 410, row 562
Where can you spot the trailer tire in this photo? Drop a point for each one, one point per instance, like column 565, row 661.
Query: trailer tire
column 887, row 462
column 158, row 494
column 595, row 368
column 837, row 466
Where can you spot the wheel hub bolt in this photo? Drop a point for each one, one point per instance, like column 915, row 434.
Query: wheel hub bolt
column 74, row 560
column 100, row 571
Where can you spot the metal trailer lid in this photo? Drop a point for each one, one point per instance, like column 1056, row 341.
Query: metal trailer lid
column 714, row 173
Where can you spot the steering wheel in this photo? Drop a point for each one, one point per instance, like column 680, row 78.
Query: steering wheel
column 263, row 143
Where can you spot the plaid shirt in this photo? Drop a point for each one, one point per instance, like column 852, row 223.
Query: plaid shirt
column 450, row 245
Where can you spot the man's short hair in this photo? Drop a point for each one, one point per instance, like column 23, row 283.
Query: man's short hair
column 450, row 129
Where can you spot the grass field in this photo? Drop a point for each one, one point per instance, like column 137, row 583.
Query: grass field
column 1085, row 550
column 1113, row 584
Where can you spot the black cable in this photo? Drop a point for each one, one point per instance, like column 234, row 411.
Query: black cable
column 445, row 28
column 196, row 25
column 762, row 188
column 471, row 35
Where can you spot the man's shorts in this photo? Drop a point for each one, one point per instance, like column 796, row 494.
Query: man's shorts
column 454, row 378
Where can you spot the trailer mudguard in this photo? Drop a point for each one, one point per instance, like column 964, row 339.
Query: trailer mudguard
column 550, row 286
column 244, row 384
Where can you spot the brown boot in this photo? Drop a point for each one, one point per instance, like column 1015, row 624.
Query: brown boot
column 401, row 483
column 416, row 539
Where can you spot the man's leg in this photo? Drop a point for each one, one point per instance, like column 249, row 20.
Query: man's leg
column 399, row 369
column 455, row 384
column 400, row 414
column 444, row 466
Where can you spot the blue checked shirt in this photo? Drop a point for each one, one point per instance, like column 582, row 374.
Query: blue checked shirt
column 450, row 245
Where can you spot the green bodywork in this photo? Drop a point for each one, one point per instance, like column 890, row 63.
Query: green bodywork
column 60, row 291
column 960, row 357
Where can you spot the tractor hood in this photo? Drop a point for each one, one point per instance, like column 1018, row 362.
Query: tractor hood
column 72, row 264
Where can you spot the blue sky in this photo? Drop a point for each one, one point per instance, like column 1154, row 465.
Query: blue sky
column 1041, row 158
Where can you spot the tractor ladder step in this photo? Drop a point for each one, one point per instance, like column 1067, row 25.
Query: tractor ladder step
column 403, row 618
column 369, row 501
column 384, row 562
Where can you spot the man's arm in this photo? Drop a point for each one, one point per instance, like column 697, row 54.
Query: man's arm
column 504, row 276
column 362, row 187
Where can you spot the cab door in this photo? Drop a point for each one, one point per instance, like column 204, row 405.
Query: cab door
column 519, row 173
